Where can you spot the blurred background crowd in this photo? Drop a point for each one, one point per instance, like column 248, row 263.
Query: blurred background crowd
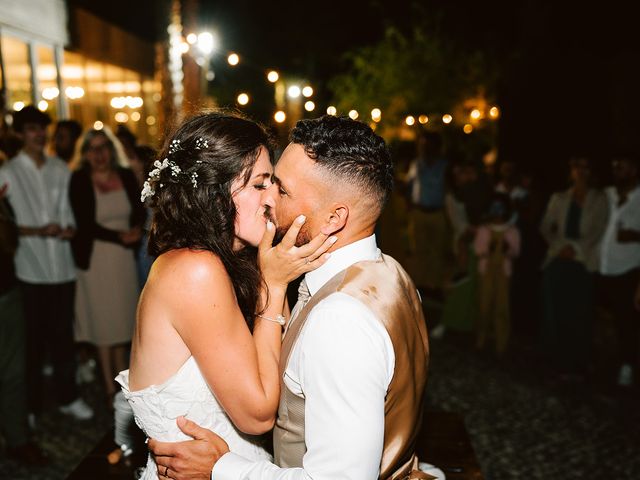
column 494, row 256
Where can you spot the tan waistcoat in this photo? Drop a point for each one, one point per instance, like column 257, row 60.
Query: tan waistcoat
column 386, row 289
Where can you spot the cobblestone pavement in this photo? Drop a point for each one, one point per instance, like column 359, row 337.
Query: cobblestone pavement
column 527, row 422
column 524, row 420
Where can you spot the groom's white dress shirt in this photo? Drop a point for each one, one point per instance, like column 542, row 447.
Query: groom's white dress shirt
column 342, row 364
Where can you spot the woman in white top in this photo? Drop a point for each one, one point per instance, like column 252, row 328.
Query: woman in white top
column 573, row 225
column 207, row 339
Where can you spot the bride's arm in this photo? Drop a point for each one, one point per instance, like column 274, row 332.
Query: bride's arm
column 279, row 265
column 206, row 315
column 241, row 370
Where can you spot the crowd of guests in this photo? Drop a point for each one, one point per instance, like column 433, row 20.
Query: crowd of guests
column 72, row 229
column 488, row 249
column 493, row 254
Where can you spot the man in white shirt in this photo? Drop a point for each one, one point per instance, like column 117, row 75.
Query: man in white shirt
column 620, row 262
column 37, row 189
column 343, row 365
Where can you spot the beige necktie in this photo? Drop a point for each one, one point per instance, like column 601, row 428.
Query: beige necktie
column 303, row 299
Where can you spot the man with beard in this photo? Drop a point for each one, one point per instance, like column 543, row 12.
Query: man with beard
column 354, row 357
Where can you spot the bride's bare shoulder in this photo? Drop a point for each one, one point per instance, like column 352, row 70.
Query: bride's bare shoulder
column 186, row 268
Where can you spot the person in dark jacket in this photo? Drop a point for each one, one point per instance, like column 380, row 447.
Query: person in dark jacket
column 105, row 198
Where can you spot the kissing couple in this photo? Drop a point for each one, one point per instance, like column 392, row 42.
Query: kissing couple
column 218, row 358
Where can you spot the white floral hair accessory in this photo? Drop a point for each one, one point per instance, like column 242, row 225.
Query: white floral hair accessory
column 174, row 147
column 148, row 190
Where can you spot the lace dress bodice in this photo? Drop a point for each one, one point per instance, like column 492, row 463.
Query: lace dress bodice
column 187, row 394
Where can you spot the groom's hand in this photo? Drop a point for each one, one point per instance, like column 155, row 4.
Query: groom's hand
column 193, row 459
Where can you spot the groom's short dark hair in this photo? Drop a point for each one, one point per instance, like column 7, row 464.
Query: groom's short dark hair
column 349, row 150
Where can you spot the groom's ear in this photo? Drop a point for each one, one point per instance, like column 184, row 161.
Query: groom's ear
column 336, row 219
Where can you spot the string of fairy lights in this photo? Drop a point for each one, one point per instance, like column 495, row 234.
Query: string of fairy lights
column 288, row 95
column 203, row 45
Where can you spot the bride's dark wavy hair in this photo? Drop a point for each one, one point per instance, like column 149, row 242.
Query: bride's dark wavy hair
column 193, row 205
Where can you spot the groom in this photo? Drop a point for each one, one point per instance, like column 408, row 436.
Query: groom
column 354, row 358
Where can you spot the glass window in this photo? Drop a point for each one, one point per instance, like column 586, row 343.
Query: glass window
column 47, row 76
column 152, row 97
column 17, row 72
column 95, row 100
column 73, row 78
column 111, row 95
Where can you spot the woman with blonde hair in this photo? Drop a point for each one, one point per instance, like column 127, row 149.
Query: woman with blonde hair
column 109, row 216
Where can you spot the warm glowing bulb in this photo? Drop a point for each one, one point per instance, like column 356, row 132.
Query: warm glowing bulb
column 273, row 76
column 294, row 91
column 423, row 119
column 206, row 43
column 233, row 59
column 134, row 102
column 475, row 114
column 192, row 38
column 18, row 106
column 243, row 99
column 117, row 102
column 50, row 93
column 494, row 112
column 446, row 118
column 151, row 120
column 98, row 125
column 376, row 114
column 353, row 114
column 74, row 92
column 307, row 91
column 43, row 105
column 135, row 116
column 331, row 110
column 279, row 116
column 184, row 47
column 468, row 128
column 410, row 120
column 121, row 117
column 309, row 106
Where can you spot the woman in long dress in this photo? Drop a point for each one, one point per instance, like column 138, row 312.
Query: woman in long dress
column 105, row 200
column 209, row 324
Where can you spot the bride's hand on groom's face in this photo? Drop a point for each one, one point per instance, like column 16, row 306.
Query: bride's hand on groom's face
column 193, row 459
column 285, row 262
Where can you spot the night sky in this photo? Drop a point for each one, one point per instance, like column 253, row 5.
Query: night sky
column 569, row 71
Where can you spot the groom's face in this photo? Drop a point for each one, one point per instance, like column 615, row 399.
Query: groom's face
column 296, row 189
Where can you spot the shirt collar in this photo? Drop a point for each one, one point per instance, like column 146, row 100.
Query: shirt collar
column 340, row 259
column 27, row 160
column 631, row 195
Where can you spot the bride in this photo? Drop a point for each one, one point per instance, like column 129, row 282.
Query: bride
column 209, row 320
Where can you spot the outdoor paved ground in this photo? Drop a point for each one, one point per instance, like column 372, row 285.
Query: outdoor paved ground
column 525, row 421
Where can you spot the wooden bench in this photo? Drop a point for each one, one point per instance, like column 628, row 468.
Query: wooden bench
column 443, row 442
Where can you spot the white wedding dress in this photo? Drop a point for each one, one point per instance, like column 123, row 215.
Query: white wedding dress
column 187, row 394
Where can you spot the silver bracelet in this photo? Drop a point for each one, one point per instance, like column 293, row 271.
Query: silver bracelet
column 280, row 320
